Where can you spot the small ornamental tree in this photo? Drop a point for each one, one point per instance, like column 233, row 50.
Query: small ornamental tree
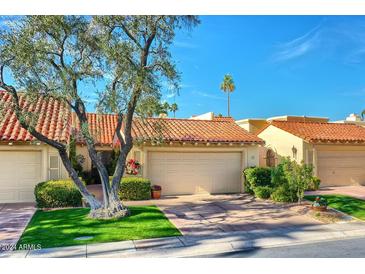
column 59, row 56
column 298, row 177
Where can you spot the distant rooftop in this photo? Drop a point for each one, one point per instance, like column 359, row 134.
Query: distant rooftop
column 210, row 116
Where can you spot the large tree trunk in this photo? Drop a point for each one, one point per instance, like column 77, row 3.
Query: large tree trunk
column 103, row 173
column 93, row 202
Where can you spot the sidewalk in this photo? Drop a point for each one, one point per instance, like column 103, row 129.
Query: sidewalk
column 186, row 246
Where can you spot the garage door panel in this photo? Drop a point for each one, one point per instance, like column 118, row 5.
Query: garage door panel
column 26, row 195
column 7, row 195
column 195, row 173
column 20, row 171
column 338, row 168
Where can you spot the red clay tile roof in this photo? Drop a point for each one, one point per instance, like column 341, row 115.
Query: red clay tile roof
column 315, row 132
column 223, row 118
column 54, row 119
column 189, row 130
column 102, row 127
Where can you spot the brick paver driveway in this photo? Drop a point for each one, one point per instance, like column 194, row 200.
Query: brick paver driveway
column 13, row 219
column 205, row 215
column 354, row 191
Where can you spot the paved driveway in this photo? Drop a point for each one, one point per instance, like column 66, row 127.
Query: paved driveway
column 209, row 214
column 13, row 219
column 354, row 191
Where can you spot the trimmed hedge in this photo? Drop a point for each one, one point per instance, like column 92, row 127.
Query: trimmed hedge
column 283, row 194
column 256, row 176
column 135, row 188
column 58, row 193
column 263, row 192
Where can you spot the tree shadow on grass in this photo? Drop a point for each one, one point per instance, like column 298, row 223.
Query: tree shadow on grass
column 61, row 227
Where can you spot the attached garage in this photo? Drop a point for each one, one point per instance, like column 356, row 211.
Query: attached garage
column 340, row 168
column 196, row 172
column 24, row 161
column 196, row 156
column 20, row 171
column 336, row 150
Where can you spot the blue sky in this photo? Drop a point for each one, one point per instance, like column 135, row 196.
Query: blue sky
column 298, row 65
column 294, row 65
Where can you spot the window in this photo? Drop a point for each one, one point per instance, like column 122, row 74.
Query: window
column 54, row 169
column 270, row 158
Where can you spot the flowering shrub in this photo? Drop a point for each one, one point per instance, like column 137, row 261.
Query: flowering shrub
column 319, row 201
column 133, row 167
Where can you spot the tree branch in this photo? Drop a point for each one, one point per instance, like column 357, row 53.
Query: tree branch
column 25, row 125
column 118, row 130
column 2, row 74
column 152, row 66
column 130, row 35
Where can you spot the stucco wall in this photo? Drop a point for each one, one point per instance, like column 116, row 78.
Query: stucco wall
column 282, row 142
column 82, row 150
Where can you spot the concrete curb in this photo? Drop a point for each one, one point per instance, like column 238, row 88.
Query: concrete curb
column 189, row 246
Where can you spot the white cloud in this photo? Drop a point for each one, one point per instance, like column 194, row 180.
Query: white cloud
column 345, row 40
column 299, row 46
column 183, row 85
column 208, row 95
column 170, row 95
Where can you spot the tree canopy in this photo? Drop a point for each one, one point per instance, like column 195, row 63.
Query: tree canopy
column 122, row 59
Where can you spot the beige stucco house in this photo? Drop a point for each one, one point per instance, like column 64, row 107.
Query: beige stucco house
column 336, row 150
column 24, row 161
column 196, row 156
column 184, row 156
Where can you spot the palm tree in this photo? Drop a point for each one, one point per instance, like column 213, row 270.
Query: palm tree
column 165, row 107
column 228, row 86
column 174, row 108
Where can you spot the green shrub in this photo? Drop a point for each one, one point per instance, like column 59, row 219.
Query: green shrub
column 53, row 194
column 257, row 176
column 263, row 192
column 314, row 183
column 277, row 174
column 284, row 194
column 135, row 188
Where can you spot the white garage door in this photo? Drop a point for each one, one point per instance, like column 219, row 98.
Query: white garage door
column 195, row 173
column 20, row 171
column 339, row 168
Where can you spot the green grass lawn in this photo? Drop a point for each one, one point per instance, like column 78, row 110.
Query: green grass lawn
column 60, row 227
column 349, row 205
